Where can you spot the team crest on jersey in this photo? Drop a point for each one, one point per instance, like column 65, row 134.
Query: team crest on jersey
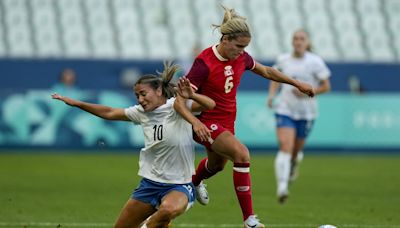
column 228, row 71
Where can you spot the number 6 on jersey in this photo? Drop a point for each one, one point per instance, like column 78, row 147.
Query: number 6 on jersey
column 228, row 84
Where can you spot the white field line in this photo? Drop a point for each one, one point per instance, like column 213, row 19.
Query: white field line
column 60, row 225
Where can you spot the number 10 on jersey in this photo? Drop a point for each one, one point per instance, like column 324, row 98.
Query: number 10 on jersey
column 158, row 132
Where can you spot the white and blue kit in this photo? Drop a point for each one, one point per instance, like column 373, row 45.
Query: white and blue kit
column 291, row 110
column 166, row 162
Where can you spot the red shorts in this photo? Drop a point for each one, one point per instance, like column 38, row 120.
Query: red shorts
column 216, row 130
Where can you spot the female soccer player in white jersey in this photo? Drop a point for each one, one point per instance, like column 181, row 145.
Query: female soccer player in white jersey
column 166, row 163
column 295, row 112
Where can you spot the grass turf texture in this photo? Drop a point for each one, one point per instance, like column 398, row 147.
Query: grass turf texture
column 72, row 188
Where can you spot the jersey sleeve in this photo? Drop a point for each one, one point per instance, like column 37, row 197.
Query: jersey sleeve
column 321, row 70
column 198, row 73
column 189, row 103
column 133, row 114
column 249, row 61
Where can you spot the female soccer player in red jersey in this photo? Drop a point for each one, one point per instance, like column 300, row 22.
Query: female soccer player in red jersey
column 216, row 73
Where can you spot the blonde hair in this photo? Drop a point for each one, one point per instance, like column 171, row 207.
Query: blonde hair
column 233, row 25
column 309, row 46
column 162, row 79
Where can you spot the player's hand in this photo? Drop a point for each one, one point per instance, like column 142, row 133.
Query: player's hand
column 66, row 100
column 184, row 89
column 202, row 131
column 305, row 88
column 270, row 102
column 57, row 96
column 298, row 93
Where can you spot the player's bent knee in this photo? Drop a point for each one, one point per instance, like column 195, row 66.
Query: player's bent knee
column 217, row 167
column 242, row 155
column 169, row 212
column 119, row 223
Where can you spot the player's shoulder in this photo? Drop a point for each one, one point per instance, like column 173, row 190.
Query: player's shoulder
column 206, row 53
column 206, row 57
column 245, row 53
column 171, row 101
column 168, row 104
column 311, row 56
column 283, row 57
column 135, row 108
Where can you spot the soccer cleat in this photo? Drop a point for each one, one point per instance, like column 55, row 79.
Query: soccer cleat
column 294, row 171
column 282, row 196
column 202, row 194
column 253, row 222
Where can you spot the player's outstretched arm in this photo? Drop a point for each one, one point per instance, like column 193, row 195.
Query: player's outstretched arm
column 101, row 111
column 275, row 75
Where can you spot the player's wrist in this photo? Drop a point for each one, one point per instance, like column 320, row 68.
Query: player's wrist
column 193, row 96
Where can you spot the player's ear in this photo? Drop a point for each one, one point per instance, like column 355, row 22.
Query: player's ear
column 159, row 91
column 224, row 39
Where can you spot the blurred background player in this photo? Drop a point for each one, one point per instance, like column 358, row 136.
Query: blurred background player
column 67, row 83
column 216, row 73
column 167, row 160
column 295, row 112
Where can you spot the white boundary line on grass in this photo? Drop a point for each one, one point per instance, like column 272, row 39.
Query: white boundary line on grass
column 74, row 224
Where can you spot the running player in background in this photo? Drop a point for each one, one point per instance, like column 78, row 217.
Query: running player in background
column 216, row 73
column 166, row 163
column 295, row 112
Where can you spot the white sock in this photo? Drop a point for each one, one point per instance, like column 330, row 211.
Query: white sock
column 282, row 171
column 300, row 156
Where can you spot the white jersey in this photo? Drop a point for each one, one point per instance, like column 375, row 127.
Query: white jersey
column 168, row 154
column 310, row 69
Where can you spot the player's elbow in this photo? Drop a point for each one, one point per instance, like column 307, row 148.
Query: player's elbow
column 269, row 72
column 326, row 86
column 211, row 105
column 114, row 114
column 108, row 116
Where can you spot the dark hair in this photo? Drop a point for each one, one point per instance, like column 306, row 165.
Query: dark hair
column 161, row 79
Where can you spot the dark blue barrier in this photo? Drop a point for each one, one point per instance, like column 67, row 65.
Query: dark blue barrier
column 108, row 74
column 29, row 118
column 373, row 77
column 91, row 74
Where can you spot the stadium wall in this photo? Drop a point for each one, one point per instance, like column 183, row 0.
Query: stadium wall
column 29, row 74
column 29, row 118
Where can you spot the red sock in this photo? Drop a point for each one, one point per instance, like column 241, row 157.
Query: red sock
column 242, row 183
column 201, row 172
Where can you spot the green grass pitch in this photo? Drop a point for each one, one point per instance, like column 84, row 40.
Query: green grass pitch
column 88, row 190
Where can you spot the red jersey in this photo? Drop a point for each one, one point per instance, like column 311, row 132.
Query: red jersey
column 219, row 78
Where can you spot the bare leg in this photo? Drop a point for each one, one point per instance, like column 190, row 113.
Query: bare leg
column 228, row 147
column 298, row 146
column 172, row 205
column 133, row 214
